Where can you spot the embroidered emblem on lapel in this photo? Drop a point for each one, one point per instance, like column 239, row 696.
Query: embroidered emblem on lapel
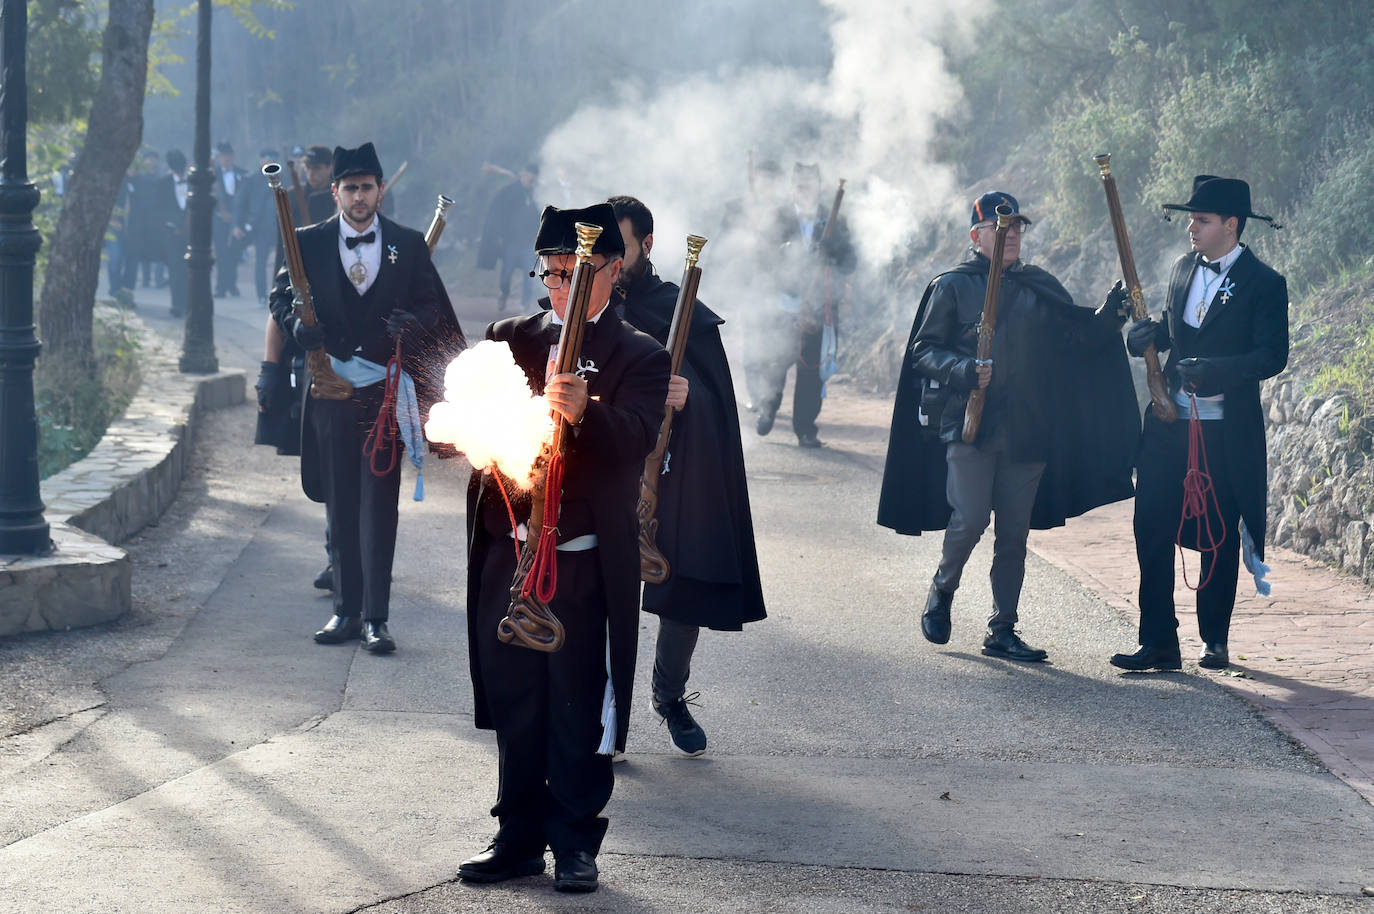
column 1227, row 288
column 392, row 256
column 586, row 367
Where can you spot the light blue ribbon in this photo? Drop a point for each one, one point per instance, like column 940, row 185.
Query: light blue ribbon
column 360, row 372
column 1252, row 562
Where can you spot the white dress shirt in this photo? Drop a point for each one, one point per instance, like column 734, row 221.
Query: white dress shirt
column 179, row 186
column 1204, row 287
column 369, row 254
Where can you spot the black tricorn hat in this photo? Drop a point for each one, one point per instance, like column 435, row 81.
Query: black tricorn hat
column 558, row 234
column 1223, row 196
column 360, row 161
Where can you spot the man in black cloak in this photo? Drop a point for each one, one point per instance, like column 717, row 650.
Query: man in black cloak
column 511, row 218
column 558, row 716
column 708, row 541
column 1058, row 430
column 372, row 282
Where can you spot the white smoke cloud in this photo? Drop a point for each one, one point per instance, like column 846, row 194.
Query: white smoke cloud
column 869, row 118
column 489, row 413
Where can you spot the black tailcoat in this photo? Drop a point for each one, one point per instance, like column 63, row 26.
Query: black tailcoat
column 1244, row 338
column 604, row 462
column 706, row 530
column 1065, row 398
column 411, row 284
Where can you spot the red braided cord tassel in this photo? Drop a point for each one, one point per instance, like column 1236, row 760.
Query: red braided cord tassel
column 381, row 438
column 1197, row 487
column 510, row 512
column 543, row 576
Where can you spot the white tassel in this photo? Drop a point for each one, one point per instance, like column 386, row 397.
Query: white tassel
column 608, row 721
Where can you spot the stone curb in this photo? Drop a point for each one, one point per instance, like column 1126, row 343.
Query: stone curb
column 124, row 484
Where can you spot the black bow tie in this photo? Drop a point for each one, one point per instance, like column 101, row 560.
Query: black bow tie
column 1212, row 265
column 356, row 240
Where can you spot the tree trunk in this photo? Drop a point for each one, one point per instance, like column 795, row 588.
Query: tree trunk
column 113, row 133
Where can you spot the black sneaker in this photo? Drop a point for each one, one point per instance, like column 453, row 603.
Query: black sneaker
column 687, row 735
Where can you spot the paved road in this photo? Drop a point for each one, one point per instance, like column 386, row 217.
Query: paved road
column 204, row 755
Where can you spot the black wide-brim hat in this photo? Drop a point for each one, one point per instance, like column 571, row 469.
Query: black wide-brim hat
column 558, row 232
column 360, row 161
column 1223, row 196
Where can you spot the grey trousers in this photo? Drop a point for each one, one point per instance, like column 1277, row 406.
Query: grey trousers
column 983, row 482
column 673, row 660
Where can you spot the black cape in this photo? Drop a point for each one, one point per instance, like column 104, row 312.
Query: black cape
column 706, row 530
column 1086, row 393
column 604, row 464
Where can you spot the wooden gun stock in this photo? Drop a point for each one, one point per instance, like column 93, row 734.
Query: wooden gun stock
column 1160, row 401
column 653, row 566
column 324, row 383
column 977, row 399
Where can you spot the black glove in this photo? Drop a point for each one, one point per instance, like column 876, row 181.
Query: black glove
column 1141, row 336
column 965, row 376
column 269, row 380
column 1117, row 306
column 1199, row 377
column 401, row 323
column 307, row 337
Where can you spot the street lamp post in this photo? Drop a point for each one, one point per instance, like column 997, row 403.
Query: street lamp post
column 198, row 348
column 23, row 529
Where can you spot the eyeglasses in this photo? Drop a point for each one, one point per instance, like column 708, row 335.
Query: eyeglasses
column 1016, row 228
column 554, row 280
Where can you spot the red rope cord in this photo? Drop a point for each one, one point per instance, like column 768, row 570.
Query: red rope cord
column 543, row 576
column 510, row 512
column 1197, row 488
column 381, row 438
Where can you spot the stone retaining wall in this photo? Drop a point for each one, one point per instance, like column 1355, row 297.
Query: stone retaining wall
column 123, row 485
column 1321, row 477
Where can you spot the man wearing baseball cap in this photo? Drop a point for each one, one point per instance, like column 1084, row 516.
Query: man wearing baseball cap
column 1058, row 428
column 1225, row 327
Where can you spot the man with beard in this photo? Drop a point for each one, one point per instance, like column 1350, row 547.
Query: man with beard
column 1225, row 327
column 811, row 279
column 708, row 542
column 558, row 716
column 1057, row 433
column 373, row 283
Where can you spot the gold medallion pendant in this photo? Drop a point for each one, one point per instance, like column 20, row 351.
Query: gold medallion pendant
column 358, row 273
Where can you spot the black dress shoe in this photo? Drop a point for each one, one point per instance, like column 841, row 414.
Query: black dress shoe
column 574, row 871
column 1148, row 658
column 1214, row 656
column 765, row 423
column 500, row 862
column 339, row 629
column 325, row 579
column 809, row 441
column 1009, row 646
column 377, row 639
column 935, row 624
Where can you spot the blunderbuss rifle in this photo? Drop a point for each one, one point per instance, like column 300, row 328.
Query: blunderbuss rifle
column 437, row 224
column 653, row 566
column 529, row 622
column 978, row 397
column 324, row 383
column 1160, row 400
